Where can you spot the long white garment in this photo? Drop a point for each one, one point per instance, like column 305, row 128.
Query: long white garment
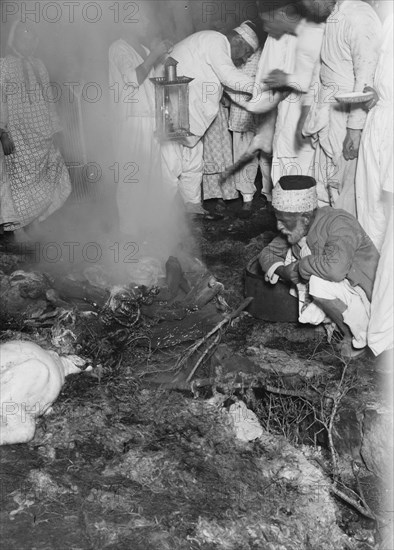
column 137, row 152
column 381, row 325
column 297, row 56
column 375, row 164
column 204, row 56
column 302, row 54
column 348, row 61
column 183, row 167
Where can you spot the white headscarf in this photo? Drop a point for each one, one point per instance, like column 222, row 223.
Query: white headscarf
column 248, row 35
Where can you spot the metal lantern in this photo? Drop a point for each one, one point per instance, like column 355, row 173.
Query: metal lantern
column 172, row 103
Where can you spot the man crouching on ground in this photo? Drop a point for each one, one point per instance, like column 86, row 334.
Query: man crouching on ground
column 326, row 255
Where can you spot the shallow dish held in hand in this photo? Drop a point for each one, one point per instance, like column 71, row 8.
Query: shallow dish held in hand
column 354, row 97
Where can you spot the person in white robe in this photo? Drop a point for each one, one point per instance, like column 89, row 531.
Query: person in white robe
column 137, row 168
column 375, row 164
column 288, row 60
column 211, row 59
column 374, row 186
column 348, row 61
column 292, row 54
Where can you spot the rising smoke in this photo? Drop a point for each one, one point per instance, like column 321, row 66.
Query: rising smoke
column 74, row 39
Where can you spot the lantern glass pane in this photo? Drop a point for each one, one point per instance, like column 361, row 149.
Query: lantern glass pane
column 184, row 107
column 171, row 109
column 160, row 110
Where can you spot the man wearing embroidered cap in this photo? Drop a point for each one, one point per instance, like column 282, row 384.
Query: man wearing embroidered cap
column 326, row 255
column 212, row 60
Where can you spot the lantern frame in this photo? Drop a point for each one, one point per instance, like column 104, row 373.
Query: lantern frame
column 170, row 89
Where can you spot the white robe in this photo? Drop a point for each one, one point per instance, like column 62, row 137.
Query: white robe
column 297, row 56
column 204, row 56
column 380, row 329
column 375, row 176
column 348, row 61
column 302, row 54
column 137, row 170
column 375, row 164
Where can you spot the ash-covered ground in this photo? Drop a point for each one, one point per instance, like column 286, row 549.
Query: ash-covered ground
column 128, row 462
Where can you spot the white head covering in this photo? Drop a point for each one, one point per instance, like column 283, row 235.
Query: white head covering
column 248, row 35
column 295, row 194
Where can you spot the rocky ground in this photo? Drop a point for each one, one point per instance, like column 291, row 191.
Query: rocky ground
column 121, row 463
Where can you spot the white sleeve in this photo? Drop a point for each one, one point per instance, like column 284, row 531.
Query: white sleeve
column 126, row 64
column 262, row 101
column 314, row 85
column 306, row 56
column 363, row 35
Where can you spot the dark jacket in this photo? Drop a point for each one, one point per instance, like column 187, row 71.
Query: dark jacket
column 340, row 249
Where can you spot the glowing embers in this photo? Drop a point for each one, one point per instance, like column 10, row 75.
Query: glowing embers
column 172, row 103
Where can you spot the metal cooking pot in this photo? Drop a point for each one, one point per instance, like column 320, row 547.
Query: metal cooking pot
column 271, row 302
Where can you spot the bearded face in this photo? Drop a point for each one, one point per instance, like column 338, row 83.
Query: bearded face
column 292, row 225
column 240, row 50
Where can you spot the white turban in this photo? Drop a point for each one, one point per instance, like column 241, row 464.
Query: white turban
column 248, row 35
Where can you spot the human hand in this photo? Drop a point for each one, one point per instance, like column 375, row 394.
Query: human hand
column 299, row 139
column 161, row 49
column 351, row 144
column 7, row 143
column 372, row 102
column 289, row 273
column 225, row 101
column 276, row 79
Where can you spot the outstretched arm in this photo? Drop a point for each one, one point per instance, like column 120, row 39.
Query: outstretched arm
column 157, row 54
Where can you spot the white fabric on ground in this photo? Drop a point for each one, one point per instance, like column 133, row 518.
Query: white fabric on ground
column 245, row 422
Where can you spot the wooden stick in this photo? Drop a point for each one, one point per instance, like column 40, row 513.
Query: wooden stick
column 245, row 159
column 227, row 319
column 360, row 508
column 201, row 359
